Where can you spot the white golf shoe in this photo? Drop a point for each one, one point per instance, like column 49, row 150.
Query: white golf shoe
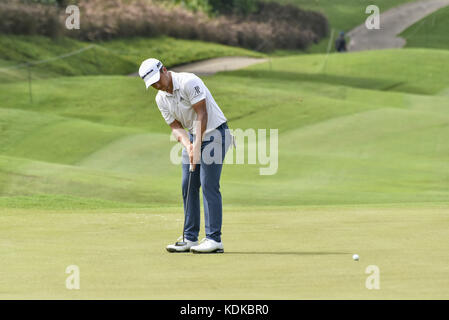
column 208, row 246
column 181, row 247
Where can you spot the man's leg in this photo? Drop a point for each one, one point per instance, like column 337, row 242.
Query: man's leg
column 210, row 183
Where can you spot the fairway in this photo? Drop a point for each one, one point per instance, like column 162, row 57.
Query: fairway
column 306, row 254
column 356, row 132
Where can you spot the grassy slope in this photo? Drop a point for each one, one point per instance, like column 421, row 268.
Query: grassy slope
column 106, row 58
column 323, row 157
column 386, row 70
column 430, row 32
column 172, row 51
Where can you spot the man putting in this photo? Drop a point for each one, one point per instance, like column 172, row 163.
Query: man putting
column 185, row 102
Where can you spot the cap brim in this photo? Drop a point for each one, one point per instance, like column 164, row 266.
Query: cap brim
column 155, row 78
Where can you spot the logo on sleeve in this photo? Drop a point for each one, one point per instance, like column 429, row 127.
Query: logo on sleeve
column 197, row 90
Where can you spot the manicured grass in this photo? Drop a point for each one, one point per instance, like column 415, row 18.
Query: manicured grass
column 307, row 254
column 60, row 202
column 387, row 70
column 430, row 32
column 52, row 138
column 115, row 100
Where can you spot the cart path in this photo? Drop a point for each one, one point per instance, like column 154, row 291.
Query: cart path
column 392, row 23
column 214, row 65
column 211, row 66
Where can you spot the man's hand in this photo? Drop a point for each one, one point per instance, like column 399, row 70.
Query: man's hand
column 191, row 155
column 194, row 150
column 180, row 134
column 194, row 155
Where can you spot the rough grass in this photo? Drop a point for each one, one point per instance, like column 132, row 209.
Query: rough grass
column 122, row 56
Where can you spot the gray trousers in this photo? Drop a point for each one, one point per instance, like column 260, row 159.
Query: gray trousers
column 206, row 175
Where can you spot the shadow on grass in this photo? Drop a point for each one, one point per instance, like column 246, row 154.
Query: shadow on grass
column 286, row 253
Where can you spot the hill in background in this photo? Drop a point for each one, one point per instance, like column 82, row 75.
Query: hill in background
column 355, row 128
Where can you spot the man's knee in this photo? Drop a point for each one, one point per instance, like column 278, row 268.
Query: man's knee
column 210, row 185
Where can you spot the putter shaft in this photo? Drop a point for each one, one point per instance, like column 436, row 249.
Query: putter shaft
column 187, row 202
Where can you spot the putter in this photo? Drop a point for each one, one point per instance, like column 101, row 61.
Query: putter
column 183, row 243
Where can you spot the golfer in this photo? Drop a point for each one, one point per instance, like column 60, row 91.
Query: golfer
column 186, row 103
column 340, row 43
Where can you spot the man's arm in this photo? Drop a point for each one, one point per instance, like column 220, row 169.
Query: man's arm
column 180, row 134
column 200, row 127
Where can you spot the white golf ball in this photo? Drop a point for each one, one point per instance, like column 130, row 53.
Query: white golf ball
column 355, row 257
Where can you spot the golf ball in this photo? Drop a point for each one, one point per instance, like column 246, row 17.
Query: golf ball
column 355, row 257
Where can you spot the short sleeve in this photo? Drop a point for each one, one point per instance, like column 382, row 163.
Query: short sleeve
column 195, row 90
column 168, row 117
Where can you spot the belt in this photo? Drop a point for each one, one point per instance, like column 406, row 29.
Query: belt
column 223, row 125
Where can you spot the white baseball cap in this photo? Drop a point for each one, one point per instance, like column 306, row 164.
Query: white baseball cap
column 149, row 71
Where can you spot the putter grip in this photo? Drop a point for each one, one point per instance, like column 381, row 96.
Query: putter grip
column 191, row 168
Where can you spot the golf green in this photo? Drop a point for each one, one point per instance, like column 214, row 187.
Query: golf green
column 302, row 252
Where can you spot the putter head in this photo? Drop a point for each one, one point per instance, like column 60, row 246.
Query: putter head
column 180, row 243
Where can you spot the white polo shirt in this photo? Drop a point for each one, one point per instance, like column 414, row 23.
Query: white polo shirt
column 188, row 89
